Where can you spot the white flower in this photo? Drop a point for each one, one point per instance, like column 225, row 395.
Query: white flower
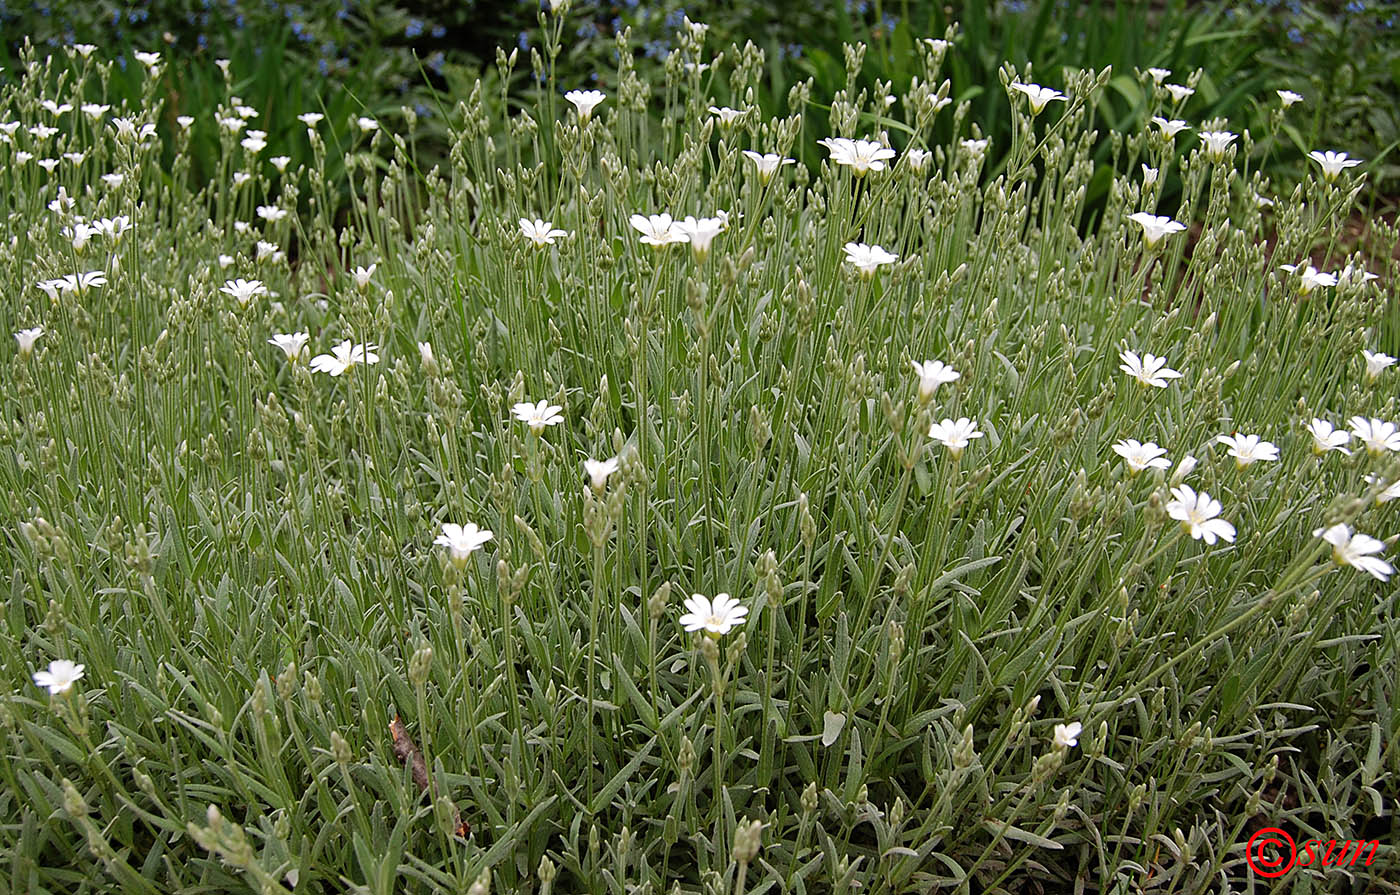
column 658, row 230
column 1216, row 144
column 292, row 344
column 243, row 290
column 1184, row 467
column 1333, row 163
column 85, row 50
column 1328, row 438
column 185, row 122
column 1198, row 514
column 1158, row 75
column 1310, row 277
column 363, row 275
column 538, row 416
column 1179, row 93
column 1149, row 176
column 344, row 357
column 280, row 162
column 232, row 125
column 1141, row 456
column 366, row 124
column 310, row 119
column 541, row 233
column 867, row 258
column 702, row 231
column 1352, row 272
column 860, row 156
column 425, row 355
column 112, row 228
column 767, row 163
column 599, row 470
column 1388, row 492
column 1154, row 226
column 727, row 116
column 1067, row 735
column 59, row 677
column 1170, row 127
column 26, row 339
column 1376, row 363
column 462, row 541
column 716, row 617
column 974, row 148
column 585, row 101
column 147, row 59
column 94, row 110
column 240, row 178
column 254, row 144
column 1288, row 97
column 225, row 262
column 917, row 158
column 1149, row 369
column 271, row 213
column 1038, row 96
column 1378, row 435
column 932, row 374
column 1247, row 449
column 1356, row 550
column 82, row 282
column 43, row 131
column 955, row 435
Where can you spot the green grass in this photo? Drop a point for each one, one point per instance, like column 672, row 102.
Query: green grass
column 240, row 550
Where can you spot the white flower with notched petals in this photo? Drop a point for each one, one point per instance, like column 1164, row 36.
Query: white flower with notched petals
column 271, row 213
column 1376, row 363
column 1067, row 735
column 1356, row 550
column 59, row 677
column 1139, row 456
column 867, row 258
column 1333, row 163
column 1170, row 127
column 917, row 159
column 81, row 282
column 1039, row 97
column 599, row 470
column 955, row 435
column 243, row 290
column 1288, row 97
column 1353, row 272
column 1148, row 369
column 231, row 124
column 1247, row 449
column 538, row 416
column 84, row 50
column 26, row 339
column 716, row 617
column 95, row 111
column 767, row 164
column 363, row 275
column 932, row 374
column 1378, row 435
column 585, row 101
column 1216, row 144
column 658, row 230
column 727, row 117
column 541, row 233
column 253, row 144
column 974, row 148
column 310, row 119
column 280, row 162
column 701, row 232
column 1199, row 515
column 1327, row 437
column 461, row 541
column 1180, row 93
column 1309, row 277
column 293, row 345
column 345, row 357
column 1158, row 75
column 1155, row 227
column 113, row 181
column 1387, row 493
column 366, row 125
column 861, row 156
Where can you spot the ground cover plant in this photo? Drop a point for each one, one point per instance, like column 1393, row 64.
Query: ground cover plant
column 619, row 507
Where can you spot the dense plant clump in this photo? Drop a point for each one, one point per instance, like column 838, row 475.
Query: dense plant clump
column 623, row 507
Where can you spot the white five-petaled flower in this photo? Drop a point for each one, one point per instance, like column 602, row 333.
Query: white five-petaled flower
column 974, row 148
column 1333, row 163
column 1288, row 97
column 1139, row 456
column 59, row 677
column 715, row 617
column 310, row 119
column 1247, row 449
column 366, row 124
column 727, row 117
column 1158, row 75
column 363, row 275
column 292, row 344
column 538, row 416
column 462, row 541
column 585, row 101
column 1038, row 96
column 932, row 374
column 658, row 230
column 1170, row 127
column 243, row 290
column 1327, row 437
column 1310, row 277
column 955, row 435
column 1353, row 272
column 271, row 213
column 1376, row 363
column 767, row 164
column 82, row 282
column 1067, row 735
column 280, row 162
column 867, row 258
column 1378, row 435
column 1356, row 550
column 860, row 156
column 344, row 357
column 1149, row 369
column 701, row 232
column 1216, row 143
column 1199, row 515
column 599, row 470
column 917, row 159
column 541, row 233
column 1155, row 226
column 1179, row 92
column 26, row 339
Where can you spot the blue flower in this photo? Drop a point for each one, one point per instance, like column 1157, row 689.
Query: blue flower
column 413, row 29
